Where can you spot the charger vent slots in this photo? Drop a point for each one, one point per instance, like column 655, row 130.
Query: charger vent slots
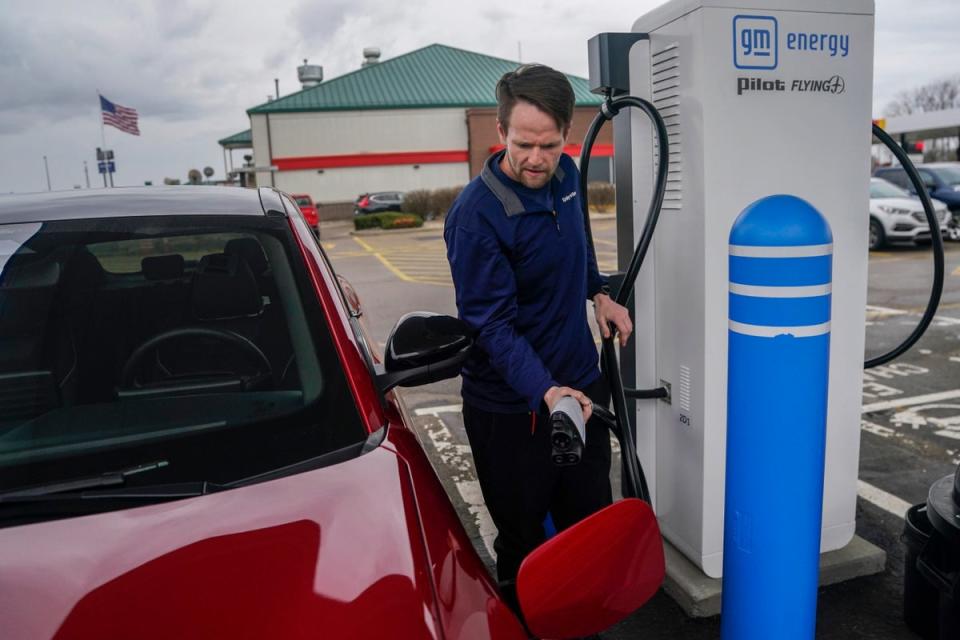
column 683, row 393
column 665, row 92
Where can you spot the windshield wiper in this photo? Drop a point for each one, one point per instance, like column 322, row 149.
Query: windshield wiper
column 108, row 479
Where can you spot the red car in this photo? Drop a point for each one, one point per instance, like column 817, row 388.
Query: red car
column 308, row 209
column 197, row 440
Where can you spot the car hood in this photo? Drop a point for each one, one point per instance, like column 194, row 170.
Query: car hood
column 335, row 552
column 911, row 204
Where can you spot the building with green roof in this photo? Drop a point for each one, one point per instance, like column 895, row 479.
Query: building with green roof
column 422, row 120
column 241, row 140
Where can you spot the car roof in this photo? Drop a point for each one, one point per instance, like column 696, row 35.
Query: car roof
column 137, row 201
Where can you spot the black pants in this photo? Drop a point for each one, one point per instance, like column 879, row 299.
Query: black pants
column 521, row 484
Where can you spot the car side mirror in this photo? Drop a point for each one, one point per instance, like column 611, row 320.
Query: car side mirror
column 422, row 348
column 594, row 574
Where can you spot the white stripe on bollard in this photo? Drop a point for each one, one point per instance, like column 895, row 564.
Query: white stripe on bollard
column 781, row 292
column 802, row 251
column 772, row 332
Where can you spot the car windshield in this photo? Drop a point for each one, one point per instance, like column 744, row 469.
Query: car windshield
column 883, row 189
column 303, row 201
column 948, row 175
column 196, row 340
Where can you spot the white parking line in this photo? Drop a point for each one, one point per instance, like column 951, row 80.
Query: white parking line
column 432, row 411
column 886, row 501
column 456, row 458
column 886, row 311
column 909, row 402
column 876, row 429
column 875, row 312
column 473, row 497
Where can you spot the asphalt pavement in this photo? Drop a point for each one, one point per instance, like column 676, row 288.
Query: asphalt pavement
column 910, row 422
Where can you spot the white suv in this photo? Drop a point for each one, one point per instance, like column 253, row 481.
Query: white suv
column 896, row 216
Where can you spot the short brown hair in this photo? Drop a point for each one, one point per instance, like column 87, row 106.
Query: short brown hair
column 545, row 88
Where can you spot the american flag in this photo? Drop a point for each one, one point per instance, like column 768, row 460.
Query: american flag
column 123, row 118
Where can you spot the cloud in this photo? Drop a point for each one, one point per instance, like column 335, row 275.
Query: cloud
column 320, row 20
column 182, row 20
column 193, row 67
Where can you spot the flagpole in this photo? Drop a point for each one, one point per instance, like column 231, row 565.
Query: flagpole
column 103, row 136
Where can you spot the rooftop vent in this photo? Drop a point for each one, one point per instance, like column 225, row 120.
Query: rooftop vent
column 310, row 75
column 371, row 55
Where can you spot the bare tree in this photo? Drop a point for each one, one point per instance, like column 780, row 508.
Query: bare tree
column 935, row 96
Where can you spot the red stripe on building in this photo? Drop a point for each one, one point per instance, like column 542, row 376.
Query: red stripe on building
column 598, row 151
column 369, row 160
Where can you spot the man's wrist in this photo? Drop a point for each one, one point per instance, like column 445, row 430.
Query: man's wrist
column 542, row 405
column 601, row 298
column 549, row 393
column 595, row 290
column 604, row 290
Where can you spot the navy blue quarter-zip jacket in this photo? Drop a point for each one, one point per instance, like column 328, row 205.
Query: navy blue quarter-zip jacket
column 523, row 271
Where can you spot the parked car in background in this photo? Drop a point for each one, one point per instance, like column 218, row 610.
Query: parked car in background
column 308, row 209
column 942, row 180
column 377, row 202
column 897, row 216
column 198, row 439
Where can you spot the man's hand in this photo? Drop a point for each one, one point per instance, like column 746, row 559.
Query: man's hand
column 553, row 395
column 608, row 311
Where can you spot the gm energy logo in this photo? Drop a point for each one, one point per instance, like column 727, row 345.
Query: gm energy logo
column 755, row 42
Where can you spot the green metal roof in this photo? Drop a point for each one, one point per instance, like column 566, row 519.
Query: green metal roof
column 242, row 139
column 434, row 76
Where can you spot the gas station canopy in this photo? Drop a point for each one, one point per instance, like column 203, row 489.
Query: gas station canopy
column 925, row 126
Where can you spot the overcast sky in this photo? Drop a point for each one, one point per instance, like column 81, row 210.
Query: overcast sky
column 192, row 67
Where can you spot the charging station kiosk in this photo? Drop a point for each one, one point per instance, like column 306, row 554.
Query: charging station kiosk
column 770, row 97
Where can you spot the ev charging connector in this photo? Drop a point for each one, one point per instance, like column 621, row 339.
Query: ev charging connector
column 568, row 433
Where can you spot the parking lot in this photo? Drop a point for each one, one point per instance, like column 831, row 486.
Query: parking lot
column 910, row 422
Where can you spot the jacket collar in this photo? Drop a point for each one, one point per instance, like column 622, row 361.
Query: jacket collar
column 504, row 192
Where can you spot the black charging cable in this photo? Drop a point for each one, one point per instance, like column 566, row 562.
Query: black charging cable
column 937, row 240
column 634, row 479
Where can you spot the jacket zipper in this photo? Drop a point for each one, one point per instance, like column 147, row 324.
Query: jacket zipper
column 556, row 219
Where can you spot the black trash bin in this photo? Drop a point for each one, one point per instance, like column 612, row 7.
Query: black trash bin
column 940, row 560
column 920, row 598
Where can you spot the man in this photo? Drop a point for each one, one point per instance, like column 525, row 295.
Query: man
column 523, row 272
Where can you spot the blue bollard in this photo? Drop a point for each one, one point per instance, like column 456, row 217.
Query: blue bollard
column 778, row 364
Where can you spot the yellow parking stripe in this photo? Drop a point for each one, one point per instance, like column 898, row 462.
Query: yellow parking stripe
column 414, row 264
column 348, row 254
column 384, row 261
column 425, row 262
